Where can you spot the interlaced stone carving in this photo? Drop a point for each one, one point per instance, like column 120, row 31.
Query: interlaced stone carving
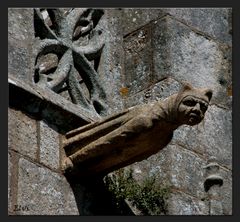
column 134, row 134
column 68, row 49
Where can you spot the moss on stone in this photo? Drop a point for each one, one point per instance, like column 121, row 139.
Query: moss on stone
column 148, row 196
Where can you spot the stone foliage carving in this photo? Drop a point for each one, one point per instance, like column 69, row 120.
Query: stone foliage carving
column 133, row 134
column 68, row 49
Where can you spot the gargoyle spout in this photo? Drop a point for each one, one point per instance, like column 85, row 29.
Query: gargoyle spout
column 133, row 134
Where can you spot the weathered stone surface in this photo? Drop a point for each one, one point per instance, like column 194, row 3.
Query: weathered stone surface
column 138, row 60
column 226, row 191
column 182, row 53
column 156, row 165
column 217, row 136
column 134, row 18
column 9, row 184
column 20, row 26
column 71, row 205
column 188, row 56
column 142, row 97
column 158, row 91
column 189, row 137
column 45, row 104
column 165, row 88
column 43, row 192
column 212, row 137
column 20, row 36
column 216, row 22
column 182, row 170
column 216, row 207
column 49, row 146
column 13, row 157
column 22, row 131
column 186, row 171
column 175, row 167
column 182, row 204
column 110, row 67
column 19, row 62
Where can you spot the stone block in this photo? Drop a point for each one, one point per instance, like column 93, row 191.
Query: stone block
column 158, row 91
column 49, row 146
column 186, row 171
column 185, row 55
column 135, row 18
column 43, row 192
column 217, row 135
column 137, row 99
column 165, row 88
column 9, row 178
column 172, row 166
column 20, row 39
column 189, row 137
column 138, row 60
column 22, row 133
column 19, row 62
column 182, row 204
column 71, row 203
column 20, row 25
column 112, row 59
column 212, row 137
column 226, row 191
column 175, row 167
column 216, row 22
column 156, row 165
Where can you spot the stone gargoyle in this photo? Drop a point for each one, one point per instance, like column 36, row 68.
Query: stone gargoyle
column 133, row 134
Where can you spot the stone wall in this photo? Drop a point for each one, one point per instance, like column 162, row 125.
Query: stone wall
column 35, row 180
column 36, row 184
column 162, row 49
column 147, row 55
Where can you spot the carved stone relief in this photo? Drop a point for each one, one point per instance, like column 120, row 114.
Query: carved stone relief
column 134, row 134
column 69, row 43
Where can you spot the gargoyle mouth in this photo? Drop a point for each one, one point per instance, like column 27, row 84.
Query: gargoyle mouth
column 194, row 118
column 194, row 115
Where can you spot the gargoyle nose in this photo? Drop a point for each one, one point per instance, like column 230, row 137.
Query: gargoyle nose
column 196, row 107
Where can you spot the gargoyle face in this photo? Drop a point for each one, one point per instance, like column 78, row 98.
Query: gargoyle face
column 191, row 110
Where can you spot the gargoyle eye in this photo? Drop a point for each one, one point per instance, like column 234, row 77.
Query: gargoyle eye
column 203, row 107
column 189, row 102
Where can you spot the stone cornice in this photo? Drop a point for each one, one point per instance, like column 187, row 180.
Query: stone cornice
column 45, row 104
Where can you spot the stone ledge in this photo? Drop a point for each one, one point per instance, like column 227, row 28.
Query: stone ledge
column 45, row 104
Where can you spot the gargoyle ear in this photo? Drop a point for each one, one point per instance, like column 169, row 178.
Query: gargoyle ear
column 209, row 93
column 186, row 86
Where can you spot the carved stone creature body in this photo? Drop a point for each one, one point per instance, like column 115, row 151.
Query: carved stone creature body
column 134, row 134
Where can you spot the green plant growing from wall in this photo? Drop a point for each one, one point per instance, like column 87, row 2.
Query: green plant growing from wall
column 148, row 196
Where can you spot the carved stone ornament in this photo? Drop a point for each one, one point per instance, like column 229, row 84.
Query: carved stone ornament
column 213, row 176
column 134, row 134
column 69, row 43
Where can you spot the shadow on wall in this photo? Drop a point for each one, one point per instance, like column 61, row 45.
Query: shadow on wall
column 93, row 198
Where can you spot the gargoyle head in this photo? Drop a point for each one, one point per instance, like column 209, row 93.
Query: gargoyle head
column 192, row 103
